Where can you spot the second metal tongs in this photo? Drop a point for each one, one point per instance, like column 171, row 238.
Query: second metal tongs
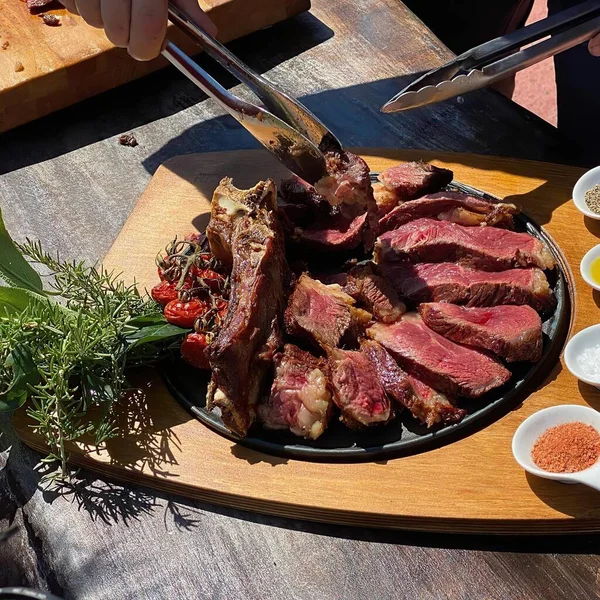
column 285, row 127
column 504, row 56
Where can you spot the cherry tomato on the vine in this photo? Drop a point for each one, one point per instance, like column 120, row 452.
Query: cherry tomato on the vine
column 192, row 350
column 164, row 292
column 183, row 314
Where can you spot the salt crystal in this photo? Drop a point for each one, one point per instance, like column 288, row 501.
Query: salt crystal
column 589, row 361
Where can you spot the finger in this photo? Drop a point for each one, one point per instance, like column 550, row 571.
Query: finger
column 116, row 16
column 90, row 12
column 192, row 8
column 148, row 28
column 70, row 6
column 594, row 46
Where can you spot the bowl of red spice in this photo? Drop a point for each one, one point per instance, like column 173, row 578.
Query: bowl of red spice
column 561, row 443
column 586, row 193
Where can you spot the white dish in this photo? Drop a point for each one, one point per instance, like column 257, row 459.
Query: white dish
column 586, row 265
column 531, row 429
column 586, row 181
column 586, row 338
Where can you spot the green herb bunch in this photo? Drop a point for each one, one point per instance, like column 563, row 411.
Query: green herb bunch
column 64, row 350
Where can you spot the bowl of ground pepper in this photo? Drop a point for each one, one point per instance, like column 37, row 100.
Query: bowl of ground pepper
column 586, row 193
column 561, row 443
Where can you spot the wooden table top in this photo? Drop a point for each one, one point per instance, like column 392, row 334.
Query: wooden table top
column 65, row 180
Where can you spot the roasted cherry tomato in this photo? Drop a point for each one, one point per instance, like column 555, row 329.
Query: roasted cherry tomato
column 222, row 307
column 192, row 350
column 184, row 314
column 211, row 278
column 164, row 292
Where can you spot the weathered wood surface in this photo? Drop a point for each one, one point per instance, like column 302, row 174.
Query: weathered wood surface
column 66, row 181
column 470, row 485
column 66, row 64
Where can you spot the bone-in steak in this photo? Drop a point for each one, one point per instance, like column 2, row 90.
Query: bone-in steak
column 323, row 314
column 230, row 204
column 512, row 332
column 300, row 400
column 407, row 182
column 357, row 389
column 451, row 206
column 487, row 248
column 442, row 364
column 375, row 293
column 245, row 345
column 447, row 282
column 424, row 403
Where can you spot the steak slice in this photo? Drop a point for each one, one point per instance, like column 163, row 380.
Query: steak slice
column 230, row 204
column 451, row 206
column 375, row 293
column 512, row 332
column 409, row 181
column 447, row 282
column 323, row 314
column 244, row 347
column 487, row 248
column 424, row 403
column 336, row 233
column 448, row 367
column 300, row 400
column 357, row 389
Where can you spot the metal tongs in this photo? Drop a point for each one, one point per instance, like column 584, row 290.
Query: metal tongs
column 285, row 127
column 500, row 58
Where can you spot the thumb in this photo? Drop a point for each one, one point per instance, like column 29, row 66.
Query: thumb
column 192, row 8
column 594, row 46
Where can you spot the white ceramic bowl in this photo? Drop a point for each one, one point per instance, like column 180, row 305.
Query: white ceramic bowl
column 531, row 429
column 586, row 265
column 586, row 181
column 577, row 344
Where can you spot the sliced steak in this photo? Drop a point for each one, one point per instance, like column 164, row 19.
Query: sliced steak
column 375, row 293
column 357, row 389
column 332, row 234
column 424, row 403
column 300, row 400
column 487, row 248
column 409, row 181
column 451, row 368
column 447, row 282
column 512, row 332
column 451, row 206
column 244, row 347
column 323, row 314
column 229, row 204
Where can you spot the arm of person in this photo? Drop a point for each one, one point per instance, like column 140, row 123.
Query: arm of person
column 138, row 25
column 595, row 45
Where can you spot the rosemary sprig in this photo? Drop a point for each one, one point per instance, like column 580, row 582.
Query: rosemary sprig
column 68, row 358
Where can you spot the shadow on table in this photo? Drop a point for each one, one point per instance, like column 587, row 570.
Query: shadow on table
column 151, row 98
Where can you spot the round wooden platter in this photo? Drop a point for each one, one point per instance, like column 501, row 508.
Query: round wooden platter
column 470, row 485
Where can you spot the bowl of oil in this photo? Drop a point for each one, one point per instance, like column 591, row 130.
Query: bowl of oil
column 590, row 267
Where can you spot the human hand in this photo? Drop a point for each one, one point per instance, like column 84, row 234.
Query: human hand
column 138, row 25
column 594, row 46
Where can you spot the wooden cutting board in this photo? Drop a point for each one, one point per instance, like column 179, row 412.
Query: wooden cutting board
column 471, row 485
column 66, row 64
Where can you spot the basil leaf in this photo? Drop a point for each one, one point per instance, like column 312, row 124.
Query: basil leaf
column 25, row 373
column 14, row 269
column 145, row 320
column 155, row 333
column 16, row 300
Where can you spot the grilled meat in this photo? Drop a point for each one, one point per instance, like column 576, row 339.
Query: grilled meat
column 300, row 400
column 512, row 332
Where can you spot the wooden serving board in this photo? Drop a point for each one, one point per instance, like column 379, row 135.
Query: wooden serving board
column 66, row 64
column 471, row 485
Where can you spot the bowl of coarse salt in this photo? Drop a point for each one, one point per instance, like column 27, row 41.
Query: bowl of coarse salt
column 586, row 194
column 582, row 355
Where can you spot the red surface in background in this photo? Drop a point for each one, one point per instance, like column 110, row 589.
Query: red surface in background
column 535, row 88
